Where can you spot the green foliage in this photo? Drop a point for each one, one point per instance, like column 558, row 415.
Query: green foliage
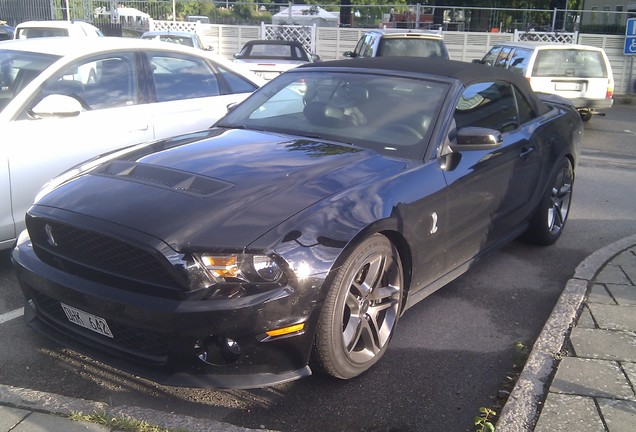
column 124, row 424
column 200, row 7
column 483, row 422
column 245, row 9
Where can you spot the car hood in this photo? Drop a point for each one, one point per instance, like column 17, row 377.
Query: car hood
column 217, row 188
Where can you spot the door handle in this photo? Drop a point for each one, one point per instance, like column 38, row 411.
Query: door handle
column 525, row 152
column 140, row 129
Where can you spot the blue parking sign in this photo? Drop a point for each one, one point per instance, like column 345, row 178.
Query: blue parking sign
column 630, row 37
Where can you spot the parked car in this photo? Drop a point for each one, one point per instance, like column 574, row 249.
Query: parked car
column 37, row 29
column 270, row 58
column 297, row 231
column 64, row 101
column 181, row 38
column 400, row 42
column 6, row 31
column 580, row 73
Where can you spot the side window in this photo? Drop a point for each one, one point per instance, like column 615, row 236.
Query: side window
column 488, row 105
column 492, row 56
column 519, row 60
column 236, row 83
column 98, row 83
column 359, row 46
column 502, row 58
column 178, row 77
column 366, row 49
column 525, row 111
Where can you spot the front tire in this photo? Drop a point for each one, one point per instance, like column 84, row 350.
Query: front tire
column 549, row 220
column 361, row 310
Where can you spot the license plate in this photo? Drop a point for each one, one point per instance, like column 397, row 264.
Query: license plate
column 568, row 86
column 268, row 75
column 86, row 320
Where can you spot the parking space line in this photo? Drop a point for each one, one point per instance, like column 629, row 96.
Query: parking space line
column 11, row 315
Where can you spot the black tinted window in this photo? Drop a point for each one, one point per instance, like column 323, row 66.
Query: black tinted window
column 488, row 105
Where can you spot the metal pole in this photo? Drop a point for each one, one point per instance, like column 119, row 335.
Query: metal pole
column 174, row 11
column 417, row 16
column 554, row 13
column 631, row 86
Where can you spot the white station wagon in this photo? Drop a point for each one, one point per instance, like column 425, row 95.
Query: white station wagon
column 65, row 100
column 580, row 73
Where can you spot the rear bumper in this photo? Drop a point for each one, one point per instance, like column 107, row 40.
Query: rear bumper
column 585, row 103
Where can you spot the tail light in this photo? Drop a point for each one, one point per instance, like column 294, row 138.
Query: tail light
column 610, row 90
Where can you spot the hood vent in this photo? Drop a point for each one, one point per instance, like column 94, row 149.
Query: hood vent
column 166, row 178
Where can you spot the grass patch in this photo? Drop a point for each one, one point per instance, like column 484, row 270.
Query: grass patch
column 125, row 423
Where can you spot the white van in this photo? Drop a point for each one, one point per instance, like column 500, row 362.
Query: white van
column 579, row 73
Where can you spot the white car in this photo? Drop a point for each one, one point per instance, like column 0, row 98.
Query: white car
column 270, row 58
column 37, row 29
column 580, row 73
column 52, row 117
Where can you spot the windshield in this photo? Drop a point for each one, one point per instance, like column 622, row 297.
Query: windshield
column 17, row 69
column 389, row 114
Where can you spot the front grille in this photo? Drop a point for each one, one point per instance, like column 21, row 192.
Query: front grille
column 104, row 259
column 132, row 342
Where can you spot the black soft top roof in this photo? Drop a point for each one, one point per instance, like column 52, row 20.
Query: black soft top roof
column 466, row 73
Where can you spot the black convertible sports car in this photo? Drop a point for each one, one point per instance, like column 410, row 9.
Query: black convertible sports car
column 295, row 232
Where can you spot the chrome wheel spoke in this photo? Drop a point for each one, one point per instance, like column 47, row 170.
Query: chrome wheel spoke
column 561, row 194
column 369, row 275
column 371, row 308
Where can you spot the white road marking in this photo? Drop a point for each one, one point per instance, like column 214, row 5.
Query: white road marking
column 11, row 315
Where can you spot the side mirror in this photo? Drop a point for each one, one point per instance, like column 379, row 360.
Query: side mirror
column 236, row 55
column 315, row 57
column 479, row 61
column 56, row 105
column 477, row 138
column 350, row 54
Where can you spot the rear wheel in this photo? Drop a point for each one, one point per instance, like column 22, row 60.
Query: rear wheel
column 549, row 220
column 361, row 310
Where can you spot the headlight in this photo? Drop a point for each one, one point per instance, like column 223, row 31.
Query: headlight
column 219, row 270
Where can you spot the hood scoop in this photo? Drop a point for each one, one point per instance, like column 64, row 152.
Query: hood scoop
column 165, row 178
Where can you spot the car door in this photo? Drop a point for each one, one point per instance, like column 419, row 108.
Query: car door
column 191, row 93
column 7, row 228
column 489, row 189
column 49, row 138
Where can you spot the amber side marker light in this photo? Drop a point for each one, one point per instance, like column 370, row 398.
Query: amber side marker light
column 286, row 330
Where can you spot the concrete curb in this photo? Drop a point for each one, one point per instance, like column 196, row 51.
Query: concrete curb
column 50, row 403
column 521, row 410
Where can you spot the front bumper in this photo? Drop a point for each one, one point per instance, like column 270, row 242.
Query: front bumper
column 172, row 342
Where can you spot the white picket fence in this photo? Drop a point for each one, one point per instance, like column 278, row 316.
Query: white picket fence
column 331, row 42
